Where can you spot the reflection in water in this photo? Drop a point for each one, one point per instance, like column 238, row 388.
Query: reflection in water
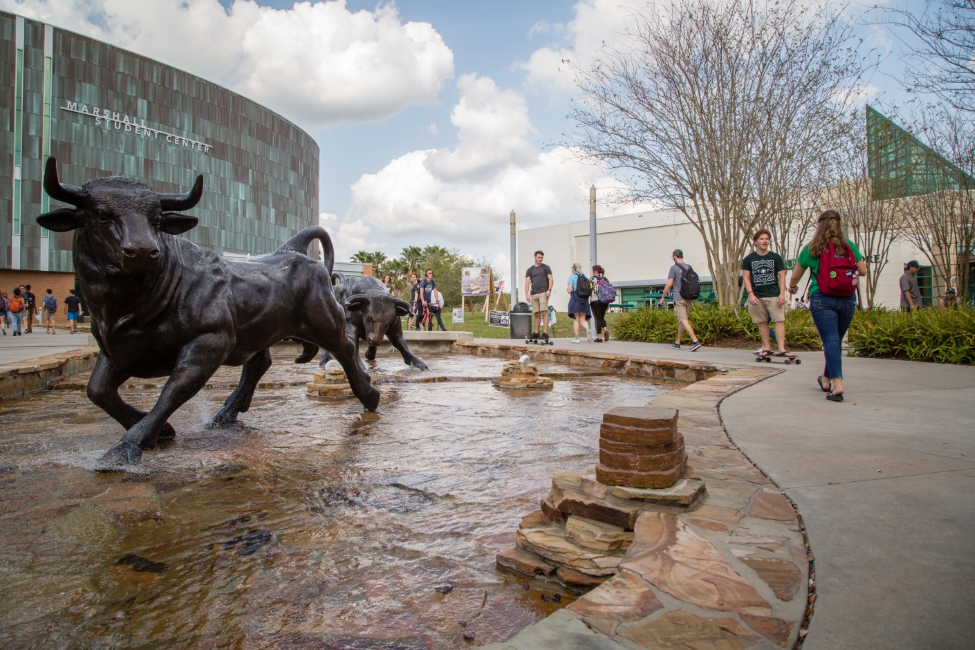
column 310, row 523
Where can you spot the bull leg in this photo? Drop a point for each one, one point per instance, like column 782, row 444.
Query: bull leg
column 240, row 400
column 347, row 354
column 371, row 353
column 395, row 336
column 103, row 392
column 195, row 365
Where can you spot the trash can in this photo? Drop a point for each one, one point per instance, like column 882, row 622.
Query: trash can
column 520, row 318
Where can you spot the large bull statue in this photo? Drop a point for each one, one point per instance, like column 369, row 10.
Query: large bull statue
column 163, row 306
column 371, row 314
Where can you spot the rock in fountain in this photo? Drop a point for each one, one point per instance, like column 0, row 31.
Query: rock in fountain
column 585, row 524
column 519, row 375
column 330, row 384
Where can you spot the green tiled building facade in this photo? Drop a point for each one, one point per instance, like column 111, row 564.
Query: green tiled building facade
column 103, row 111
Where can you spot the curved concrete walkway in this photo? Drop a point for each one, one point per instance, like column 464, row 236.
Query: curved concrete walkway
column 886, row 485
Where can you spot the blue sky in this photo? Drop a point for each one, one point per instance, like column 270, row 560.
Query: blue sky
column 434, row 117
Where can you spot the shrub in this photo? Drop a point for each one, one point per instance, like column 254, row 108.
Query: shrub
column 938, row 335
column 712, row 323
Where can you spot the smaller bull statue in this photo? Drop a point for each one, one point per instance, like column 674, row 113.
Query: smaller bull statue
column 162, row 306
column 371, row 314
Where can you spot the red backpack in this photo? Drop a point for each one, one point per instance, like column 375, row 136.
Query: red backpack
column 838, row 273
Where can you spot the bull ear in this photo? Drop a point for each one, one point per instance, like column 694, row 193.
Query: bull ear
column 357, row 302
column 176, row 224
column 63, row 220
column 403, row 308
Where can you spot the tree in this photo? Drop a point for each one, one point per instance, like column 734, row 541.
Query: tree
column 376, row 259
column 941, row 222
column 723, row 111
column 873, row 226
column 944, row 52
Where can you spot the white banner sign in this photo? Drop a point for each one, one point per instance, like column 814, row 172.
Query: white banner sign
column 459, row 315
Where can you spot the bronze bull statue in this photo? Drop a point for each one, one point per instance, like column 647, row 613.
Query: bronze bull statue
column 163, row 306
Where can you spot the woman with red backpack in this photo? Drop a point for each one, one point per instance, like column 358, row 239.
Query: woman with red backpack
column 835, row 265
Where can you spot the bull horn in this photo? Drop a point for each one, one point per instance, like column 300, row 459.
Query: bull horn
column 63, row 193
column 404, row 305
column 178, row 202
column 358, row 300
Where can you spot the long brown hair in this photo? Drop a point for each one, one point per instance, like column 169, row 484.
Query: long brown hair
column 828, row 229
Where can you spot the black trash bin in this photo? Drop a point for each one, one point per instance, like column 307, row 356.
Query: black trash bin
column 521, row 320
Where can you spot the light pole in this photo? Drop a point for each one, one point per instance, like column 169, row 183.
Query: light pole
column 592, row 227
column 513, row 282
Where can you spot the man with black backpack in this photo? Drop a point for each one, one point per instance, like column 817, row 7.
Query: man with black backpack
column 687, row 288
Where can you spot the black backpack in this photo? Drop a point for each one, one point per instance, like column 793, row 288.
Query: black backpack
column 690, row 284
column 583, row 286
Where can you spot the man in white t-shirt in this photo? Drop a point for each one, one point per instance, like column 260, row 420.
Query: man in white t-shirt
column 435, row 305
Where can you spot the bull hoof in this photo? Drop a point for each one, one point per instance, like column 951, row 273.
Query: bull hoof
column 419, row 365
column 222, row 418
column 166, row 434
column 122, row 455
column 371, row 400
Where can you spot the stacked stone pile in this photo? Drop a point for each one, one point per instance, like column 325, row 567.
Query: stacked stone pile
column 331, row 384
column 585, row 525
column 518, row 376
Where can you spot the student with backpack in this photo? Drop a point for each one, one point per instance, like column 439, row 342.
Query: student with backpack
column 603, row 295
column 50, row 303
column 687, row 288
column 579, row 289
column 17, row 310
column 835, row 265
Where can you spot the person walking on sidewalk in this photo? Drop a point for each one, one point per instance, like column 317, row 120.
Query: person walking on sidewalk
column 682, row 304
column 4, row 312
column 72, row 305
column 910, row 291
column 50, row 303
column 835, row 265
column 579, row 289
column 763, row 273
column 601, row 288
column 415, row 301
column 538, row 286
column 30, row 309
column 17, row 310
column 435, row 306
column 427, row 286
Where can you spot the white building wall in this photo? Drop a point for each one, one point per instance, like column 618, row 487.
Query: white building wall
column 636, row 248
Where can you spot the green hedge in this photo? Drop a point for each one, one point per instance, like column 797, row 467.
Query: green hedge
column 938, row 335
column 711, row 324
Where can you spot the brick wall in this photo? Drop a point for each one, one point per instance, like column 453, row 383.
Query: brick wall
column 40, row 282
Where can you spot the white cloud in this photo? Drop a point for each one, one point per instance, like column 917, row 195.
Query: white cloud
column 316, row 64
column 348, row 236
column 462, row 196
column 432, row 128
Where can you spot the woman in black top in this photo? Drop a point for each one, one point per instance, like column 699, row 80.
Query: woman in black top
column 414, row 301
column 598, row 308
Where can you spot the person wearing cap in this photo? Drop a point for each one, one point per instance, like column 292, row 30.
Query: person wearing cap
column 950, row 300
column 910, row 292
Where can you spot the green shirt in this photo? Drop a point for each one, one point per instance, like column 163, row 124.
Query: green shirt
column 765, row 271
column 807, row 261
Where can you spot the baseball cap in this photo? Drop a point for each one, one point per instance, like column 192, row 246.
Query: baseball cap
column 913, row 263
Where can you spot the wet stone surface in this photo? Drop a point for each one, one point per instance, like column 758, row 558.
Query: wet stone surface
column 309, row 524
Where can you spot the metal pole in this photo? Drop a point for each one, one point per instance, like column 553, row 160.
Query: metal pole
column 513, row 281
column 592, row 227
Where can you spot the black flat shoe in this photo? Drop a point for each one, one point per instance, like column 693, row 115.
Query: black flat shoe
column 820, row 379
column 834, row 398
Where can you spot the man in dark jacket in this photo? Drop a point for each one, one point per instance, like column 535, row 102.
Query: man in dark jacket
column 30, row 302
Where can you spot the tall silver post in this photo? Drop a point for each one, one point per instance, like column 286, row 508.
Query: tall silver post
column 513, row 281
column 592, row 227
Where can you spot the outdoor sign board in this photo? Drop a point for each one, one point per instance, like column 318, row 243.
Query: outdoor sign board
column 475, row 281
column 500, row 319
column 458, row 315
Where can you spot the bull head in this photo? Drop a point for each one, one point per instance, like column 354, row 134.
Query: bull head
column 378, row 313
column 121, row 216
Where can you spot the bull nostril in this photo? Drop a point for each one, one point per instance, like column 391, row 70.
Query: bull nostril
column 129, row 251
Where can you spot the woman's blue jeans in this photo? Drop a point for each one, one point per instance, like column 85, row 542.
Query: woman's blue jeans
column 17, row 320
column 832, row 316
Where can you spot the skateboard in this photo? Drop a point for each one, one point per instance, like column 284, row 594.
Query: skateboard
column 786, row 360
column 539, row 341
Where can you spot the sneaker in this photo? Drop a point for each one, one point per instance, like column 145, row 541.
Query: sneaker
column 545, row 336
column 588, row 336
column 598, row 341
column 575, row 340
column 695, row 346
column 675, row 346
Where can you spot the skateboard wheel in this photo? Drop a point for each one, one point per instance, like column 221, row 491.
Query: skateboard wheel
column 798, row 361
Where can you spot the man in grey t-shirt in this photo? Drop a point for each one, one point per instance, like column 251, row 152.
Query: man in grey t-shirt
column 681, row 305
column 911, row 293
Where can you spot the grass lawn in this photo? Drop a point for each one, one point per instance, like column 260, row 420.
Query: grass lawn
column 481, row 330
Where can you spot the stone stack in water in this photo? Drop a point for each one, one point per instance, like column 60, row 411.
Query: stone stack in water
column 640, row 448
column 330, row 384
column 515, row 376
column 585, row 524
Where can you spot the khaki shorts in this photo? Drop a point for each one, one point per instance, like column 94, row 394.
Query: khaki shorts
column 539, row 303
column 767, row 307
column 49, row 314
column 680, row 309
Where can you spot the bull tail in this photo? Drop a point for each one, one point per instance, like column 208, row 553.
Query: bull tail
column 308, row 352
column 338, row 278
column 299, row 244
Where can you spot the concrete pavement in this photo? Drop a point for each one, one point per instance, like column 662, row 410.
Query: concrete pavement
column 885, row 482
column 39, row 344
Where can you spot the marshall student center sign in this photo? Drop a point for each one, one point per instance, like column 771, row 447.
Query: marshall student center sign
column 134, row 126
